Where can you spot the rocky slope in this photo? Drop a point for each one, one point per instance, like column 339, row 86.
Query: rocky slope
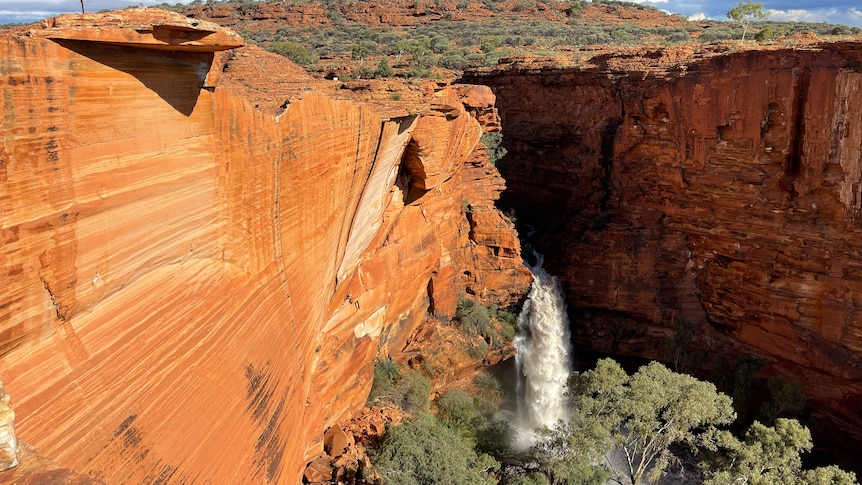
column 198, row 271
column 400, row 13
column 722, row 190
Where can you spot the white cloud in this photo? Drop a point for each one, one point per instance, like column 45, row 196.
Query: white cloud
column 797, row 15
column 697, row 17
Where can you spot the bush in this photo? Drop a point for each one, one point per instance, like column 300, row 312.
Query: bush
column 412, row 393
column 490, row 43
column 359, row 51
column 294, row 51
column 455, row 59
column 764, row 34
column 494, row 142
column 386, row 376
column 383, row 69
column 409, row 391
column 533, row 478
column 459, row 412
column 473, row 317
column 423, row 451
column 489, row 388
column 494, row 438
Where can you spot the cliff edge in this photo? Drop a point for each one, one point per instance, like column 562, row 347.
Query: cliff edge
column 198, row 274
column 720, row 188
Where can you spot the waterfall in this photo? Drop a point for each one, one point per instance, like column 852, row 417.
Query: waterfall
column 543, row 358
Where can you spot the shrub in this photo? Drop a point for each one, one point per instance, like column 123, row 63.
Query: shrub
column 294, row 51
column 490, row 43
column 494, row 142
column 424, row 451
column 533, row 478
column 494, row 438
column 383, row 69
column 766, row 33
column 473, row 317
column 489, row 388
column 458, row 411
column 386, row 376
column 358, row 51
column 412, row 393
column 455, row 59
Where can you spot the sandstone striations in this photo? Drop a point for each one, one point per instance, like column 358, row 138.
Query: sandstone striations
column 197, row 275
column 724, row 191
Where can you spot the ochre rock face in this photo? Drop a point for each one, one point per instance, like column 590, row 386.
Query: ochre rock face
column 725, row 192
column 195, row 289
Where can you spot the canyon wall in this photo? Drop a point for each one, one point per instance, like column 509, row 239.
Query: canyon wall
column 198, row 275
column 723, row 190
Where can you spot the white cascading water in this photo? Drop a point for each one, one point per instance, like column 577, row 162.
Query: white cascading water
column 543, row 358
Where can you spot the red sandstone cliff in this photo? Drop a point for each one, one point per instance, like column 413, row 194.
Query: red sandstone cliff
column 198, row 274
column 725, row 191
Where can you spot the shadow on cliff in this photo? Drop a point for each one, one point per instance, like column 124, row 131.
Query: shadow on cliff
column 176, row 77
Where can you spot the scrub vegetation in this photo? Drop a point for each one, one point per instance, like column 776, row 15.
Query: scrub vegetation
column 627, row 428
column 448, row 35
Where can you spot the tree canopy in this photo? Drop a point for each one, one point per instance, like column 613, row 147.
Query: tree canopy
column 647, row 412
column 747, row 12
column 767, row 456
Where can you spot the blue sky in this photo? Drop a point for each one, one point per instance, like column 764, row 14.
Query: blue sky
column 834, row 11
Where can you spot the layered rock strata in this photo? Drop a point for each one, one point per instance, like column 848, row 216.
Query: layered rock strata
column 195, row 284
column 724, row 191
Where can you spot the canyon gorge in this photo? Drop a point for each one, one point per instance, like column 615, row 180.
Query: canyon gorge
column 722, row 190
column 204, row 248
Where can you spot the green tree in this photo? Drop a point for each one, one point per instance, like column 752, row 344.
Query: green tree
column 423, row 451
column 359, row 51
column 785, row 398
column 294, row 51
column 384, row 69
column 767, row 456
column 489, row 388
column 645, row 413
column 745, row 13
column 570, row 453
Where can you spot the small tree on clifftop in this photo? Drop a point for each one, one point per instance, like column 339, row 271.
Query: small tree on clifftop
column 747, row 12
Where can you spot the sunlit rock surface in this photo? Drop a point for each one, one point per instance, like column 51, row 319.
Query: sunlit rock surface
column 197, row 279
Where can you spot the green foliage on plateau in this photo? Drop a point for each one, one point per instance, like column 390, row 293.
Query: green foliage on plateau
column 383, row 69
column 294, row 51
column 747, row 12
